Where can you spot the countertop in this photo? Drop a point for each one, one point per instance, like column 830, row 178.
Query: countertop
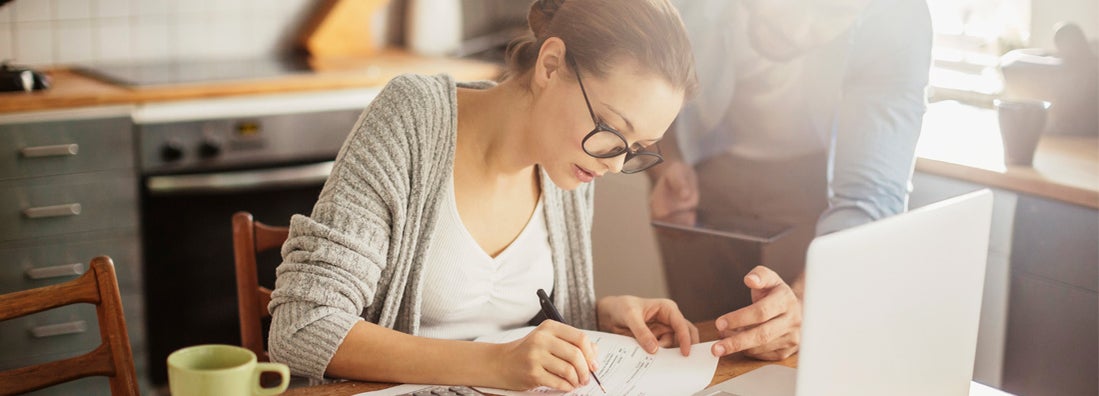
column 963, row 142
column 957, row 141
column 75, row 90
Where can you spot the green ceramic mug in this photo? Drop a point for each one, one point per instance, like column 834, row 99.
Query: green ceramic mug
column 223, row 370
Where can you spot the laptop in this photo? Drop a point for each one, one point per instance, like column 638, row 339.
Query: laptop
column 891, row 308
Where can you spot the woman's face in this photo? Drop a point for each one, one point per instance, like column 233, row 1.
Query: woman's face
column 636, row 103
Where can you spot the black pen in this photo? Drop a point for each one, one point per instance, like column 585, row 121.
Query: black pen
column 551, row 313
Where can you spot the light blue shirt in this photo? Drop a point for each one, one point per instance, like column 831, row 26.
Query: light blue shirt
column 860, row 96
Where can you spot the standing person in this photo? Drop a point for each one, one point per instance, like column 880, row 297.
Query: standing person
column 451, row 203
column 808, row 116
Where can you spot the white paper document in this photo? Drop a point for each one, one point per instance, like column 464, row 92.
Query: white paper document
column 627, row 370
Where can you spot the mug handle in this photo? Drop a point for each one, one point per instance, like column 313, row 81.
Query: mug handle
column 261, row 368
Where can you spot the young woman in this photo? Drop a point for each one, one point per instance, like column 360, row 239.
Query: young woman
column 450, row 204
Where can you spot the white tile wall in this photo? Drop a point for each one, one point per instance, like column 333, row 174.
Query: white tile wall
column 59, row 32
column 7, row 42
column 43, row 32
column 34, row 42
column 189, row 34
column 114, row 35
column 6, row 15
column 72, row 9
column 151, row 37
column 230, row 32
column 113, row 8
column 152, row 7
column 233, row 6
column 190, row 7
column 33, row 10
column 262, row 36
column 74, row 41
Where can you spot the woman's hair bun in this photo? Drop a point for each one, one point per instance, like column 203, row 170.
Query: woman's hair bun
column 540, row 15
column 549, row 7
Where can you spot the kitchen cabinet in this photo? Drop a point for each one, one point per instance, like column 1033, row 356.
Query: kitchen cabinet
column 68, row 193
column 1038, row 332
column 1053, row 327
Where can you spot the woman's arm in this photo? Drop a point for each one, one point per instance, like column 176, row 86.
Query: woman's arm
column 375, row 353
column 553, row 355
column 335, row 261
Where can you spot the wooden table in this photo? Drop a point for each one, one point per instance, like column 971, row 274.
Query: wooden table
column 728, row 367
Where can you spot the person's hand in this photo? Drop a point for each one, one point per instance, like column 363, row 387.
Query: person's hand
column 654, row 323
column 553, row 354
column 769, row 329
column 675, row 193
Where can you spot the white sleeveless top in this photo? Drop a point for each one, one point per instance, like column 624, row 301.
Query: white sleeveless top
column 467, row 293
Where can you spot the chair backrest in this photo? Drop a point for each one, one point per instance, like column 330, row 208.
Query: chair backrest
column 249, row 238
column 113, row 358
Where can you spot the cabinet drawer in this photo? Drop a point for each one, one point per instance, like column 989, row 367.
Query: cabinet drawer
column 1051, row 345
column 62, row 147
column 64, row 332
column 1056, row 241
column 52, row 260
column 42, row 206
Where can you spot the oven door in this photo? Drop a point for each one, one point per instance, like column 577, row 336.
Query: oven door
column 190, row 287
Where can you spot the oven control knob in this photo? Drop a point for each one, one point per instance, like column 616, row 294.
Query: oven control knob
column 209, row 148
column 171, row 151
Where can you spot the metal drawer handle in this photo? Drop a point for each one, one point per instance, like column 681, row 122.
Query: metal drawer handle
column 57, row 271
column 59, row 150
column 72, row 209
column 75, row 327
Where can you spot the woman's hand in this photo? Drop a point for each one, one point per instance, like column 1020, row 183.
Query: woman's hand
column 553, row 354
column 675, row 193
column 653, row 322
column 769, row 329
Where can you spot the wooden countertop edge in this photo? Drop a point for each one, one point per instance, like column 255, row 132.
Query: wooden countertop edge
column 72, row 89
column 1007, row 181
column 194, row 91
column 124, row 96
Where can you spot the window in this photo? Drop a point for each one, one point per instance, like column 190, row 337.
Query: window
column 970, row 36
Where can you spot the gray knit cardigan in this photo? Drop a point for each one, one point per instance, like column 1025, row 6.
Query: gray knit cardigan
column 360, row 255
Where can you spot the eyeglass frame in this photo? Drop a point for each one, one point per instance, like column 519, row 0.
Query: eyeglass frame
column 600, row 126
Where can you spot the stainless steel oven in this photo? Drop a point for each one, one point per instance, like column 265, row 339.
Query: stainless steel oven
column 200, row 162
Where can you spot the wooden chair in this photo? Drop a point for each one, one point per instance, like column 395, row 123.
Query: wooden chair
column 249, row 238
column 113, row 358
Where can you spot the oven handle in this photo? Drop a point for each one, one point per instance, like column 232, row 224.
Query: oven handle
column 292, row 176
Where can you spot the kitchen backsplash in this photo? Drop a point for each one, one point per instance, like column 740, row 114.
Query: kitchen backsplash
column 60, row 32
column 57, row 32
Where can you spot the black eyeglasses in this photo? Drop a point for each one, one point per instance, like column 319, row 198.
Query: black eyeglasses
column 606, row 142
